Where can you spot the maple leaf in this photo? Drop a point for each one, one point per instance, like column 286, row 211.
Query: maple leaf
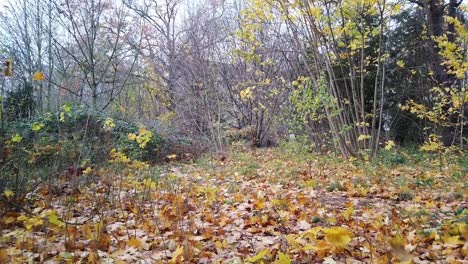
column 134, row 242
column 8, row 193
column 338, row 237
column 260, row 256
column 36, row 126
column 320, row 247
column 53, row 219
column 311, row 233
column 348, row 212
column 221, row 244
column 397, row 242
column 38, row 76
column 292, row 242
column 452, row 240
column 178, row 255
column 283, row 259
column 389, row 145
column 16, row 138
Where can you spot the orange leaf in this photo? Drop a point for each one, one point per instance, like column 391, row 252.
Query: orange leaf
column 104, row 242
column 134, row 242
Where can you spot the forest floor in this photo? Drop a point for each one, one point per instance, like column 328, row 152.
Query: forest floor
column 252, row 206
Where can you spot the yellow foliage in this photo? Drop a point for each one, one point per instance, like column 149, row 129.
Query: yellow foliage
column 433, row 144
column 259, row 257
column 108, row 124
column 363, row 137
column 389, row 145
column 118, row 157
column 177, row 256
column 8, row 193
column 283, row 259
column 246, row 93
column 338, row 237
column 348, row 212
column 30, row 222
column 53, row 219
column 38, row 76
column 36, row 126
column 16, row 138
column 143, row 137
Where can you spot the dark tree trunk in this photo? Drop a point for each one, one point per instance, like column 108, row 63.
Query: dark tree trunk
column 436, row 25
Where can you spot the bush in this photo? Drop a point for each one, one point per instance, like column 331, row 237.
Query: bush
column 48, row 146
column 390, row 158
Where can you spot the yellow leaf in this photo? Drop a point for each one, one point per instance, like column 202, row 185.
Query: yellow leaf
column 38, row 76
column 246, row 93
column 348, row 212
column 8, row 193
column 362, row 191
column 259, row 204
column 389, row 144
column 36, row 126
column 400, row 63
column 338, row 237
column 67, row 108
column 221, row 244
column 363, row 137
column 16, row 138
column 310, row 183
column 32, row 222
column 260, row 256
column 9, row 220
column 88, row 171
column 53, row 219
column 291, row 239
column 108, row 124
column 134, row 242
column 283, row 259
column 62, row 117
column 312, row 233
column 86, row 230
column 171, row 157
column 177, row 256
column 132, row 136
column 320, row 247
column 452, row 240
column 396, row 8
column 398, row 242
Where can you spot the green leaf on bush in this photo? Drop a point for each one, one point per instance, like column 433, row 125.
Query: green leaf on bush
column 16, row 138
column 37, row 126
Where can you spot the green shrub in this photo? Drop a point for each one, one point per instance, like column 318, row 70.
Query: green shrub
column 391, row 158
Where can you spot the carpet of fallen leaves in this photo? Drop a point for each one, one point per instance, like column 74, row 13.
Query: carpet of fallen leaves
column 252, row 206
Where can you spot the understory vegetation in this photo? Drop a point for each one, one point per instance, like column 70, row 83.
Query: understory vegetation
column 251, row 205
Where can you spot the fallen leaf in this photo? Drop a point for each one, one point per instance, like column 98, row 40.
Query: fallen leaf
column 134, row 242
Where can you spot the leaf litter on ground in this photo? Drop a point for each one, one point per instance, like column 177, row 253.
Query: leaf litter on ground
column 254, row 207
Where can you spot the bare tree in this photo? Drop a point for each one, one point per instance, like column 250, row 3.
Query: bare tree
column 161, row 41
column 97, row 31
